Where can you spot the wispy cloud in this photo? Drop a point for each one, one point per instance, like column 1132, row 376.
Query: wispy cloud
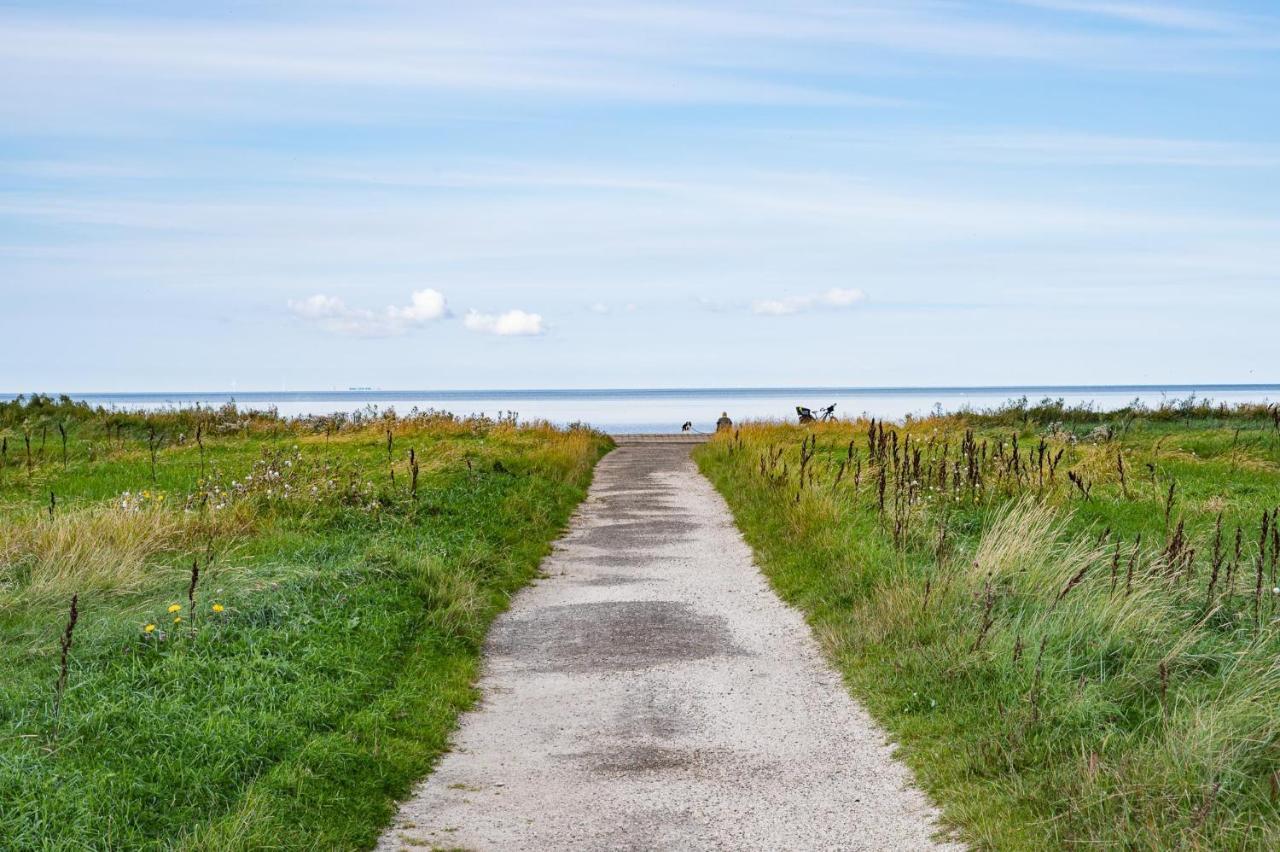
column 1163, row 15
column 562, row 54
column 835, row 298
column 1108, row 149
column 513, row 323
column 333, row 314
column 834, row 54
column 1029, row 145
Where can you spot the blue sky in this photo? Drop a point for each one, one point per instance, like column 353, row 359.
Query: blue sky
column 636, row 194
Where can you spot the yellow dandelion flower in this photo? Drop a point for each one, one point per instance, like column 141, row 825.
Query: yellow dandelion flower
column 217, row 607
column 175, row 608
column 178, row 620
column 150, row 628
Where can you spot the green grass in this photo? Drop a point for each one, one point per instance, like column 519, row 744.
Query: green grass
column 352, row 621
column 1150, row 720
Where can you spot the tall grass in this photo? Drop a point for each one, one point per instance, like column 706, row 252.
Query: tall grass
column 117, row 548
column 1045, row 650
column 286, row 695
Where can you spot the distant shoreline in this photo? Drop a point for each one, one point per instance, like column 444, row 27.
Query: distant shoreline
column 622, row 393
column 664, row 410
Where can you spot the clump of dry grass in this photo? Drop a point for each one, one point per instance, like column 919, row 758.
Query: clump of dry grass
column 108, row 548
column 551, row 448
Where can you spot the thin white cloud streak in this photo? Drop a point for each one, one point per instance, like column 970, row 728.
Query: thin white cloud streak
column 1162, row 15
column 1102, row 149
column 554, row 55
column 513, row 323
column 1027, row 146
column 636, row 52
column 954, row 30
column 835, row 298
column 333, row 314
column 763, row 223
column 822, row 201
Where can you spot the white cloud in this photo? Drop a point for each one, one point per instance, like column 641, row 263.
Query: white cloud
column 425, row 305
column 779, row 307
column 333, row 314
column 836, row 297
column 319, row 307
column 598, row 308
column 508, row 324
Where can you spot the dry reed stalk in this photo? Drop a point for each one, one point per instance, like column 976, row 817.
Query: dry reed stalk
column 413, row 474
column 988, row 618
column 1235, row 561
column 63, row 668
column 154, row 440
column 191, row 592
column 1083, row 487
column 1124, row 482
column 1261, row 567
column 1075, row 580
column 1215, row 564
column 808, row 448
column 200, row 444
column 1115, row 566
column 1036, row 679
column 1178, row 553
column 1275, row 550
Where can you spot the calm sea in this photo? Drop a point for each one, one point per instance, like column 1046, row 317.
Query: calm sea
column 664, row 410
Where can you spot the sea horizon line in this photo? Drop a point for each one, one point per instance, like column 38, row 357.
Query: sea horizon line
column 233, row 394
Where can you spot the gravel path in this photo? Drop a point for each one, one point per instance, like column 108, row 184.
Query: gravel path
column 652, row 692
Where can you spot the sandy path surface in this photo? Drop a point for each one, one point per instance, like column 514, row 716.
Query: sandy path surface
column 652, row 692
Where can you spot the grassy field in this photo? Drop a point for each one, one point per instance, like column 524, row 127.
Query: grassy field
column 275, row 624
column 1068, row 621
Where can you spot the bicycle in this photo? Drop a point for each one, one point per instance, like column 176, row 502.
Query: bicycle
column 823, row 415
